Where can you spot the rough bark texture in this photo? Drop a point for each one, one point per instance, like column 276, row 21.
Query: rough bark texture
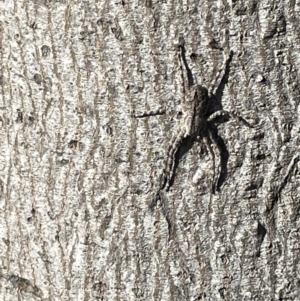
column 78, row 171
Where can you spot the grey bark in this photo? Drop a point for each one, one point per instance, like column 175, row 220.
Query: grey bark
column 78, row 171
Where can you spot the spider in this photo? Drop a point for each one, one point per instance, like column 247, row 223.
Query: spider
column 194, row 124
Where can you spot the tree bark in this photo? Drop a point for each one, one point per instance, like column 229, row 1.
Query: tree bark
column 79, row 171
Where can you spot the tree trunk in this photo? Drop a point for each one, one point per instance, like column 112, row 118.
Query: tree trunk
column 102, row 201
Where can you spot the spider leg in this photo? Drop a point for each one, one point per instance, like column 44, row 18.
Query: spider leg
column 231, row 114
column 207, row 140
column 220, row 75
column 169, row 163
column 168, row 167
column 215, row 142
column 160, row 111
column 216, row 114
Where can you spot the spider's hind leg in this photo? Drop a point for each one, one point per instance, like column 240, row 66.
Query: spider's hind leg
column 169, row 163
column 230, row 114
column 208, row 140
column 160, row 111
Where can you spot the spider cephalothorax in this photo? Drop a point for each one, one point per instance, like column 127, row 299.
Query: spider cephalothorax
column 194, row 109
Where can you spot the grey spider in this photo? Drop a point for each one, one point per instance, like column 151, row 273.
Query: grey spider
column 194, row 124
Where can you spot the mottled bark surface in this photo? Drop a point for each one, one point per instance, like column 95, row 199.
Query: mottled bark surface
column 78, row 172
